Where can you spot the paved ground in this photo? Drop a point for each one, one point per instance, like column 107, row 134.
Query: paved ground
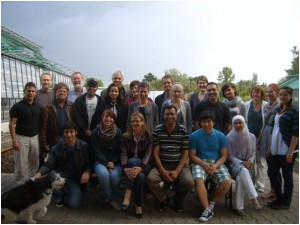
column 96, row 211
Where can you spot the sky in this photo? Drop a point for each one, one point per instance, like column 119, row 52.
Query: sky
column 140, row 37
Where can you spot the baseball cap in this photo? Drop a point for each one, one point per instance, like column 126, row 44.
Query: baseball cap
column 92, row 83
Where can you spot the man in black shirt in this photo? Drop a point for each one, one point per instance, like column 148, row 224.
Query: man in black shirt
column 24, row 128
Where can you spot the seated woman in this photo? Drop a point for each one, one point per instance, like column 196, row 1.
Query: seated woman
column 136, row 153
column 241, row 150
column 106, row 140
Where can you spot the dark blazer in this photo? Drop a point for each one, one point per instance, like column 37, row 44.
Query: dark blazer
column 159, row 100
column 80, row 116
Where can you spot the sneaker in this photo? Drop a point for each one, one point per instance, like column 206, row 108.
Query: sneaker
column 206, row 215
column 211, row 206
column 60, row 203
column 115, row 205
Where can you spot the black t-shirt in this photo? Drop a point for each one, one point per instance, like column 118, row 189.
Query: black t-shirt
column 28, row 117
column 221, row 111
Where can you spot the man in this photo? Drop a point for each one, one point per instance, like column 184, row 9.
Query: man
column 220, row 110
column 77, row 80
column 54, row 117
column 117, row 78
column 87, row 111
column 70, row 158
column 208, row 153
column 44, row 96
column 24, row 128
column 171, row 171
column 167, row 82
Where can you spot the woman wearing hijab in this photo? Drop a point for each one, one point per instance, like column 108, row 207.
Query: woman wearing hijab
column 106, row 140
column 241, row 151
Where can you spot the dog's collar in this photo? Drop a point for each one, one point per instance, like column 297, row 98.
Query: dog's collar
column 48, row 192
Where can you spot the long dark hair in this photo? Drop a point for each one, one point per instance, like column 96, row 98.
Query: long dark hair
column 119, row 98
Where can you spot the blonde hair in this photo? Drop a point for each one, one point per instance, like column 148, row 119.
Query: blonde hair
column 140, row 116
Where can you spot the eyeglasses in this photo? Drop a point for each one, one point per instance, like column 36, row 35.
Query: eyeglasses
column 136, row 121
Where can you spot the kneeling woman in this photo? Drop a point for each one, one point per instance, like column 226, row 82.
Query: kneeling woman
column 136, row 153
column 106, row 140
column 241, row 150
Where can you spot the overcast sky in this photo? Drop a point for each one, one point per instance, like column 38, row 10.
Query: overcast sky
column 196, row 37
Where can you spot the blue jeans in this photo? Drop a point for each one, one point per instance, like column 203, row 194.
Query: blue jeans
column 138, row 184
column 109, row 181
column 71, row 194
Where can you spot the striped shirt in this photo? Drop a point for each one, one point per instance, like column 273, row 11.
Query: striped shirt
column 171, row 145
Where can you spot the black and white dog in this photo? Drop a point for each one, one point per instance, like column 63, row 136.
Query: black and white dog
column 30, row 199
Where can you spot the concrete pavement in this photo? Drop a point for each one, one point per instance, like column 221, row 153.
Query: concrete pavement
column 96, row 211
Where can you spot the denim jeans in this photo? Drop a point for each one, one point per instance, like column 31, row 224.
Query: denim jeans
column 71, row 194
column 277, row 162
column 138, row 184
column 109, row 181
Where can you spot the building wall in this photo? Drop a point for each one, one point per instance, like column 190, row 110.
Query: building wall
column 14, row 75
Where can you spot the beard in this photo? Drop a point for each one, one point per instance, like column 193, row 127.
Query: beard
column 77, row 86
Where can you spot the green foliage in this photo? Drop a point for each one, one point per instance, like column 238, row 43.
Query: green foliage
column 225, row 76
column 148, row 78
column 187, row 82
column 100, row 82
column 295, row 63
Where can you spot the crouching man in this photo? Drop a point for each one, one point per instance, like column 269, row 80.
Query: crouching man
column 208, row 153
column 70, row 158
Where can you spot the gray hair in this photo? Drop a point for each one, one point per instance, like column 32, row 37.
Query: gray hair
column 117, row 72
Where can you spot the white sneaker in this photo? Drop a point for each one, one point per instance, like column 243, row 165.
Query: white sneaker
column 206, row 215
column 211, row 206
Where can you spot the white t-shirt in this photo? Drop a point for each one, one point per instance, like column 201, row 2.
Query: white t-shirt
column 278, row 147
column 91, row 104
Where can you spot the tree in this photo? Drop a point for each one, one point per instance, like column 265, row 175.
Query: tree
column 295, row 63
column 148, row 78
column 100, row 82
column 226, row 76
column 254, row 79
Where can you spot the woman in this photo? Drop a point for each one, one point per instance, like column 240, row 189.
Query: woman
column 241, row 151
column 255, row 122
column 114, row 102
column 136, row 153
column 201, row 95
column 148, row 109
column 284, row 142
column 269, row 114
column 134, row 92
column 184, row 114
column 235, row 103
column 106, row 140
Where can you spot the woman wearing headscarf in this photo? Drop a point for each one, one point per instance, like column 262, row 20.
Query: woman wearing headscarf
column 241, row 151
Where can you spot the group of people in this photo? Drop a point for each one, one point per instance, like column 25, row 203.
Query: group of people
column 166, row 147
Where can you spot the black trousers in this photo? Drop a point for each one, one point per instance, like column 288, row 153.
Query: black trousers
column 277, row 162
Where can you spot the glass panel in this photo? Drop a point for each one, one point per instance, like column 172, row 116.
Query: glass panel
column 7, row 74
column 24, row 73
column 14, row 78
column 3, row 87
column 20, row 78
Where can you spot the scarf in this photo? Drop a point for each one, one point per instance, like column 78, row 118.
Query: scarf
column 234, row 103
column 240, row 143
column 107, row 133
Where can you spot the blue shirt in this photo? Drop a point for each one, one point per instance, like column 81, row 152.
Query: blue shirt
column 207, row 146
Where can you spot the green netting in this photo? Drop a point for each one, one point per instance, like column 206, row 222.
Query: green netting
column 18, row 47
